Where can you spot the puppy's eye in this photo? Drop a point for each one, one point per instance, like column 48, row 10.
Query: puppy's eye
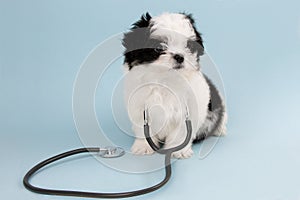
column 161, row 47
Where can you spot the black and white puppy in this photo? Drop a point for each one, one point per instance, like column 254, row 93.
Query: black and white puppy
column 163, row 75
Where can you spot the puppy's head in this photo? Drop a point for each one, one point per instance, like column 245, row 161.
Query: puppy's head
column 170, row 39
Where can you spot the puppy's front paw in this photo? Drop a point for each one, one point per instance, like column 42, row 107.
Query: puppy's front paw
column 183, row 153
column 141, row 147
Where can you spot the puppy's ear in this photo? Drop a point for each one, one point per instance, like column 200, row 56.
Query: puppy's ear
column 198, row 35
column 139, row 31
column 143, row 22
column 136, row 39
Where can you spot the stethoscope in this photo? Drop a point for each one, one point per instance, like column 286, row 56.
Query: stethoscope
column 110, row 152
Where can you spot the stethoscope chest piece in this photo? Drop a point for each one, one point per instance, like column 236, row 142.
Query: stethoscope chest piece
column 111, row 152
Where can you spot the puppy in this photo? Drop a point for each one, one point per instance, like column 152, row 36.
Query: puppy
column 163, row 75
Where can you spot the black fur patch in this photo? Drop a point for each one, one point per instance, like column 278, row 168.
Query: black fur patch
column 198, row 46
column 139, row 47
column 143, row 22
column 216, row 108
column 210, row 105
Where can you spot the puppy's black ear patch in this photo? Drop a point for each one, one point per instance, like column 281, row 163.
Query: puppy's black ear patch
column 143, row 22
column 139, row 32
column 139, row 48
column 199, row 39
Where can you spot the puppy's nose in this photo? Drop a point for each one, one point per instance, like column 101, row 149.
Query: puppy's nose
column 179, row 58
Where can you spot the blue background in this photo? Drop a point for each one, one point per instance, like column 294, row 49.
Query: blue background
column 256, row 45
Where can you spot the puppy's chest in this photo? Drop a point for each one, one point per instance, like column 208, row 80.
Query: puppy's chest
column 173, row 91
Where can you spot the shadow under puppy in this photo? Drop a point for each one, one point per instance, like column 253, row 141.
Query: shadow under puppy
column 163, row 73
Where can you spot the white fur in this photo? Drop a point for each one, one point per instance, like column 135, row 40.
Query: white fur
column 166, row 91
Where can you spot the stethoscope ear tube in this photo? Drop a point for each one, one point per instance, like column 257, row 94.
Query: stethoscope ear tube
column 168, row 171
